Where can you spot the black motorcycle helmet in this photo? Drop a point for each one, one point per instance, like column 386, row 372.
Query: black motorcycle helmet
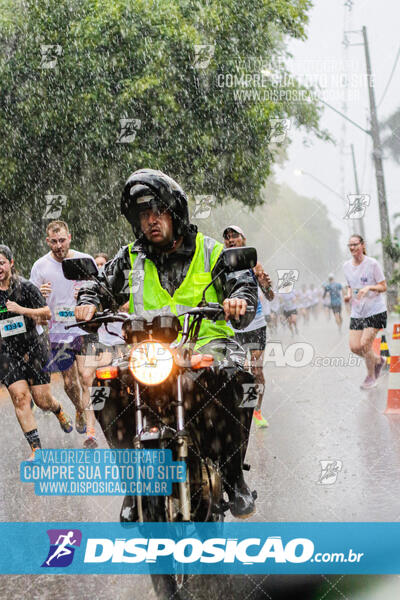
column 148, row 188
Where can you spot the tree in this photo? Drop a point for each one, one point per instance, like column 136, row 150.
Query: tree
column 94, row 90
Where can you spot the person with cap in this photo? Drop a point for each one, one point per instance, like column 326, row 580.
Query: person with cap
column 24, row 350
column 254, row 337
column 335, row 291
column 166, row 271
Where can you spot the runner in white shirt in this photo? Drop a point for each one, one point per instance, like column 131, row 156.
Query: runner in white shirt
column 69, row 348
column 314, row 292
column 367, row 284
column 275, row 308
column 306, row 301
column 289, row 306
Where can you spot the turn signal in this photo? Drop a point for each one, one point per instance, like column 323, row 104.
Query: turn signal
column 107, row 373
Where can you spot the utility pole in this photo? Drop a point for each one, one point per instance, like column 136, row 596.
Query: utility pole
column 361, row 221
column 377, row 155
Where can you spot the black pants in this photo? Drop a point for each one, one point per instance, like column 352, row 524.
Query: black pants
column 215, row 410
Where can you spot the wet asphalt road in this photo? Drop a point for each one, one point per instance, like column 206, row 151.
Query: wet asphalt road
column 316, row 413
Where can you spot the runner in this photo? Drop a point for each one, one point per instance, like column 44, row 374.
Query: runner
column 308, row 300
column 301, row 303
column 24, row 350
column 100, row 259
column 275, row 309
column 290, row 310
column 254, row 337
column 68, row 348
column 367, row 283
column 315, row 295
column 326, row 302
column 335, row 291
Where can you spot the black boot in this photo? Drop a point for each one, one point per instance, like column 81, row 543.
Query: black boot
column 241, row 500
column 128, row 513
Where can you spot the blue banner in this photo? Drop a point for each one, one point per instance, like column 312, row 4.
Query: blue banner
column 201, row 548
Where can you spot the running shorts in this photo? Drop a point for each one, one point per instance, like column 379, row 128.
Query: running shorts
column 376, row 321
column 27, row 365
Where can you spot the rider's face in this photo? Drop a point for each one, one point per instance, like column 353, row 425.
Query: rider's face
column 156, row 226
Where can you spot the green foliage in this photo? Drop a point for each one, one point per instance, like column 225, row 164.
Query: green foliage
column 135, row 59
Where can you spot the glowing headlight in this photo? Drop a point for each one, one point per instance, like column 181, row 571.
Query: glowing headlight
column 150, row 363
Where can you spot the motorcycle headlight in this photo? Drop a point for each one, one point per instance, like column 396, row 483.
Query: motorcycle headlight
column 150, row 363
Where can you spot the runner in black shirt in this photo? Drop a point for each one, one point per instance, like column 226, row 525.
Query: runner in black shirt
column 24, row 350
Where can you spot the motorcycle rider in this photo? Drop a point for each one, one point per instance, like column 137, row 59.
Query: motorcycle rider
column 166, row 270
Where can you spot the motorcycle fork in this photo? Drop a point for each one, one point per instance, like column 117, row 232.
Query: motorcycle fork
column 136, row 442
column 182, row 452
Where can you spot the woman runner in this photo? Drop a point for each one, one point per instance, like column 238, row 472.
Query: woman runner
column 368, row 307
column 24, row 350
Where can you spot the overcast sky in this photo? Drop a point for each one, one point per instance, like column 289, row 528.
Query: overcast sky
column 323, row 58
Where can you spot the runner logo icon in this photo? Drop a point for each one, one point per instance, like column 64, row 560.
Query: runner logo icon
column 62, row 547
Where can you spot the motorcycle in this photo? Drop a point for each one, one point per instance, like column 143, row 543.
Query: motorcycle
column 149, row 395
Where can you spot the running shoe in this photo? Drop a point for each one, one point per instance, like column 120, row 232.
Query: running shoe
column 259, row 420
column 80, row 421
column 32, row 456
column 90, row 441
column 379, row 368
column 65, row 421
column 368, row 383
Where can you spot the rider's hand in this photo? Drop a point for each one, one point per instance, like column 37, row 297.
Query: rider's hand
column 84, row 312
column 45, row 289
column 124, row 307
column 234, row 308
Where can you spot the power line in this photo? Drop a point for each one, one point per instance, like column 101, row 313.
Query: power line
column 390, row 77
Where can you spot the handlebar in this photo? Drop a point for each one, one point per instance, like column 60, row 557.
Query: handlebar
column 211, row 311
column 103, row 317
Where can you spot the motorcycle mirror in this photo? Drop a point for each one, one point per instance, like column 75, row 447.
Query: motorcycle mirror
column 239, row 259
column 233, row 259
column 79, row 269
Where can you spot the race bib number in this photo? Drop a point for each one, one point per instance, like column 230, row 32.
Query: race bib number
column 64, row 314
column 12, row 326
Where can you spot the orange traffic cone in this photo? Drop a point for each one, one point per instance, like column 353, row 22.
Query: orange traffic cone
column 393, row 398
